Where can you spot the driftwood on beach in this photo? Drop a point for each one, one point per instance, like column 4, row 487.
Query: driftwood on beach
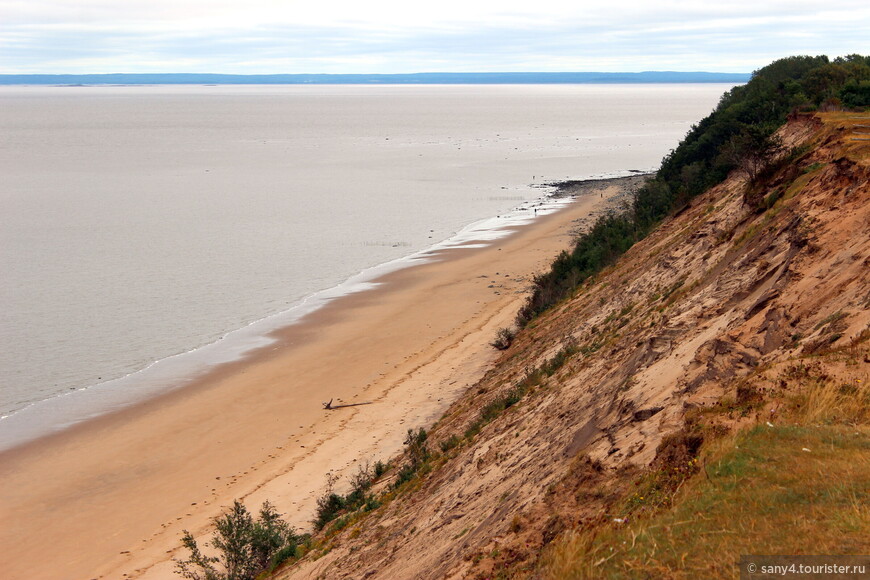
column 329, row 406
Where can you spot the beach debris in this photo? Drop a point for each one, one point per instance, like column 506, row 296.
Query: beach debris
column 330, row 407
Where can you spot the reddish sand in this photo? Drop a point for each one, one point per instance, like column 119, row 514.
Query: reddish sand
column 110, row 498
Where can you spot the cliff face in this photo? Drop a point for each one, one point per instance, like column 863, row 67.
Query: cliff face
column 720, row 293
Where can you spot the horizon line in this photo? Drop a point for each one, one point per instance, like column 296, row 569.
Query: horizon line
column 534, row 77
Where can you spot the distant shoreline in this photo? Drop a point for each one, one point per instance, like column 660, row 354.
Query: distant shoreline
column 492, row 78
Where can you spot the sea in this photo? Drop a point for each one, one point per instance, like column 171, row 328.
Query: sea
column 148, row 233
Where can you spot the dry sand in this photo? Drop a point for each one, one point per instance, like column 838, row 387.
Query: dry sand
column 110, row 498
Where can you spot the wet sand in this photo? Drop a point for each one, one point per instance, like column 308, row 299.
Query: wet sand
column 109, row 498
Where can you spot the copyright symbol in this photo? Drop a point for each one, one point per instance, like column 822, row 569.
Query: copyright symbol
column 752, row 568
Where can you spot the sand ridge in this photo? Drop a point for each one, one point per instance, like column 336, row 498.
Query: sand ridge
column 110, row 498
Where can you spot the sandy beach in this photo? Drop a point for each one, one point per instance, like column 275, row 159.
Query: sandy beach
column 109, row 498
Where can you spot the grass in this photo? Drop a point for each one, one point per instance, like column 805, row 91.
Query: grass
column 558, row 361
column 450, row 443
column 794, row 482
column 759, row 493
column 495, row 408
column 799, row 183
column 832, row 319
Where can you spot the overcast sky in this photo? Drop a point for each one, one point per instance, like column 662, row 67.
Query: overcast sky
column 393, row 36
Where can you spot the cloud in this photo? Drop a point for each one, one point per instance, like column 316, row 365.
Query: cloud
column 267, row 36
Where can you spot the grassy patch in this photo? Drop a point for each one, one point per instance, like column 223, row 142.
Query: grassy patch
column 798, row 184
column 813, row 167
column 669, row 291
column 769, row 490
column 797, row 481
column 832, row 319
column 450, row 443
column 569, row 349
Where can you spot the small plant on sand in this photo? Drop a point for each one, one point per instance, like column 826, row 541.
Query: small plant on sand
column 331, row 504
column 504, row 337
column 379, row 468
column 415, row 441
column 245, row 547
column 418, row 453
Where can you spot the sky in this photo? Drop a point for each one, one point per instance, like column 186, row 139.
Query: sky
column 406, row 36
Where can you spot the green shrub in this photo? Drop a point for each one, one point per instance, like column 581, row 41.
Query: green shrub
column 504, row 337
column 379, row 469
column 856, row 94
column 372, row 503
column 418, row 454
column 415, row 441
column 329, row 506
column 450, row 443
column 245, row 547
column 405, row 474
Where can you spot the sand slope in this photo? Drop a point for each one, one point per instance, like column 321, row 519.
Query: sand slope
column 716, row 294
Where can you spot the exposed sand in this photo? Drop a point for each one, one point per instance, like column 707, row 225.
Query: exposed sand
column 110, row 498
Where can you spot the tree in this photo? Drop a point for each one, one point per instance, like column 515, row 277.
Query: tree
column 752, row 151
column 245, row 547
column 856, row 94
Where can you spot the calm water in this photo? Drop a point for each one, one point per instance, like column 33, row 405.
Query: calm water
column 138, row 223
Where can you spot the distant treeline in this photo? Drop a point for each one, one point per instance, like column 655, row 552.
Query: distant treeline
column 745, row 114
column 385, row 79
